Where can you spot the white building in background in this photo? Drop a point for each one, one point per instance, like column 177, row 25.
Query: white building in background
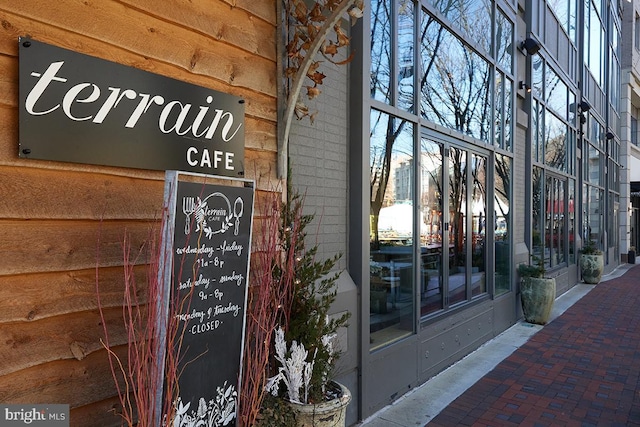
column 630, row 113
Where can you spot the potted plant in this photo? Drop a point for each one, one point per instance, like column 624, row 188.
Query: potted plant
column 291, row 348
column 631, row 255
column 537, row 292
column 305, row 341
column 591, row 263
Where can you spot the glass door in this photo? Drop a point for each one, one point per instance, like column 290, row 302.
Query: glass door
column 453, row 198
column 427, row 247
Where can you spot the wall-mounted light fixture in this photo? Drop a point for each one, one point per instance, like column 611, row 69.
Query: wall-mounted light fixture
column 525, row 87
column 610, row 135
column 584, row 106
column 531, row 46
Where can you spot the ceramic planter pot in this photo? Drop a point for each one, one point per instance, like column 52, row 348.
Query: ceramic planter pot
column 326, row 414
column 591, row 268
column 537, row 296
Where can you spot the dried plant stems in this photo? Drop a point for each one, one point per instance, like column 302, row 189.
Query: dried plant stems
column 270, row 299
column 154, row 333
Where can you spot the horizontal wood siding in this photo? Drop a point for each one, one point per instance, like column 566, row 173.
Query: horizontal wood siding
column 59, row 221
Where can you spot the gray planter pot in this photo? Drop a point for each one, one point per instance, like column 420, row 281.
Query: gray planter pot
column 591, row 268
column 326, row 414
column 537, row 296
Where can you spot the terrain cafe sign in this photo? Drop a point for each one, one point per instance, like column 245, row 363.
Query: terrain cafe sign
column 77, row 108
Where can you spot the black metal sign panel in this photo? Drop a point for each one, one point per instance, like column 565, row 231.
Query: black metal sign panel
column 211, row 245
column 77, row 108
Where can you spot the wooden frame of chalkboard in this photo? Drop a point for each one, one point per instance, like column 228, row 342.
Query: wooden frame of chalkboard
column 206, row 254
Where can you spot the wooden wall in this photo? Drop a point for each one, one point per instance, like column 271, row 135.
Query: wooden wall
column 55, row 216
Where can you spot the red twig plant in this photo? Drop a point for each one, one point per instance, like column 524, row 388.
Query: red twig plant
column 292, row 292
column 148, row 366
column 272, row 279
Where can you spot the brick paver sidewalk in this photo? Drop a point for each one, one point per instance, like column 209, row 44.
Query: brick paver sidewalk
column 582, row 369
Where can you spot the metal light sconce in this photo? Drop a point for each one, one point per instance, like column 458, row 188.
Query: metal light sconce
column 531, row 46
column 525, row 87
column 584, row 106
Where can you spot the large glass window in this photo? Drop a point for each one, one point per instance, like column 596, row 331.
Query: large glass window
column 504, row 41
column 455, row 83
column 593, row 215
column 432, row 211
column 503, row 102
column 555, row 219
column 431, row 232
column 406, row 22
column 594, row 182
column 381, row 53
column 553, row 143
column 614, row 67
column 566, row 11
column 552, row 218
column 502, row 227
column 478, row 214
column 594, row 41
column 471, row 17
column 392, row 220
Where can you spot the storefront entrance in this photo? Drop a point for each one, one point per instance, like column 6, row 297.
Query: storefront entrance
column 429, row 256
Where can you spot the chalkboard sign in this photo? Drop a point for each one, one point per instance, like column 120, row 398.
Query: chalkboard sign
column 210, row 251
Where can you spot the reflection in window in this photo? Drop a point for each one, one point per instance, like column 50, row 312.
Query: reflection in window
column 595, row 42
column 557, row 94
column 478, row 224
column 455, row 82
column 381, row 55
column 592, row 164
column 614, row 64
column 508, row 115
column 572, row 108
column 555, row 147
column 504, row 41
column 566, row 11
column 552, row 219
column 502, row 197
column 392, row 215
column 572, row 221
column 593, row 205
column 405, row 55
column 537, row 211
column 499, row 105
column 555, row 229
column 458, row 211
column 471, row 17
column 537, row 76
column 537, row 131
column 503, row 111
column 431, row 226
column 462, row 75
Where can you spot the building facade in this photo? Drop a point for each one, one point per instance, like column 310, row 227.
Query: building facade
column 463, row 138
column 505, row 117
column 630, row 102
